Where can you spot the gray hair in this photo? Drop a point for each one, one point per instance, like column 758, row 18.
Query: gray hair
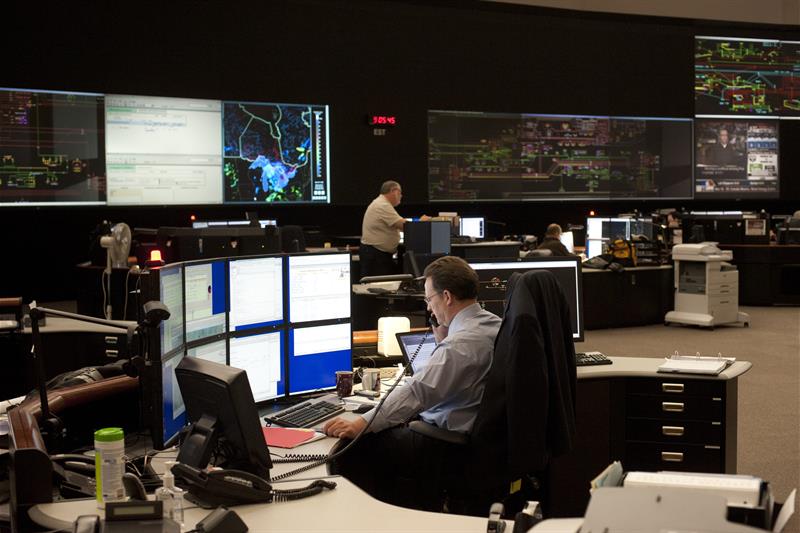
column 389, row 186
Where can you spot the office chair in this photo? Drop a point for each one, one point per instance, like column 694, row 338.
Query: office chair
column 527, row 414
column 292, row 239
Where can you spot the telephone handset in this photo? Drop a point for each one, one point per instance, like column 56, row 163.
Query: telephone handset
column 433, row 321
column 235, row 487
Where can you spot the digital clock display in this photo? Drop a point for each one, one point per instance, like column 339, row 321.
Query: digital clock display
column 382, row 120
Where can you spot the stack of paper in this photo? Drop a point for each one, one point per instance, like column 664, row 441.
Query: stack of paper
column 279, row 437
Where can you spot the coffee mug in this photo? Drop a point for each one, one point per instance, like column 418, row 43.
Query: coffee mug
column 371, row 379
column 344, row 383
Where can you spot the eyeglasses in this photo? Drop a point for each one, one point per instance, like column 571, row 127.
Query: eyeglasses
column 428, row 299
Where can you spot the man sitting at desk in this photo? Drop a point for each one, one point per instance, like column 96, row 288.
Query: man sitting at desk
column 393, row 463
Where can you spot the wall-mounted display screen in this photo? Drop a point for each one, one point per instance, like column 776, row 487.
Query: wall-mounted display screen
column 52, row 148
column 746, row 76
column 275, row 152
column 736, row 158
column 163, row 150
column 494, row 156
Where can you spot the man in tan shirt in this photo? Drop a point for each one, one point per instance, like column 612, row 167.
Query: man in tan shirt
column 380, row 232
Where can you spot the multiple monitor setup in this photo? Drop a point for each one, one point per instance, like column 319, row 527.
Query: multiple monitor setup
column 70, row 148
column 284, row 319
column 600, row 231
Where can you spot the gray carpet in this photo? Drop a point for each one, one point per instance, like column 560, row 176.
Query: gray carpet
column 769, row 394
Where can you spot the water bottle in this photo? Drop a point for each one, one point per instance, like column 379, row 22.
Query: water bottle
column 109, row 464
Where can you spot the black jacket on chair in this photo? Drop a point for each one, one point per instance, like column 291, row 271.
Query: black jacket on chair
column 527, row 414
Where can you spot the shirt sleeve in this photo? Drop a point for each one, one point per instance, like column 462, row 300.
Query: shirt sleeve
column 388, row 215
column 438, row 381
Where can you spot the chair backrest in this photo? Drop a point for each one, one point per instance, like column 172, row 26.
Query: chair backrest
column 527, row 415
column 292, row 239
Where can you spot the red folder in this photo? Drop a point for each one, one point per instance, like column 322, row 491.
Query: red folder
column 287, row 437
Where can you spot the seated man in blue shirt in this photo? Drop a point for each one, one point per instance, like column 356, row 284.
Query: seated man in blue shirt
column 393, row 463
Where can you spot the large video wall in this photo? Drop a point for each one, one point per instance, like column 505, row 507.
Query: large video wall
column 65, row 148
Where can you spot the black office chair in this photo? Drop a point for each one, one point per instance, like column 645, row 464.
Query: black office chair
column 292, row 239
column 527, row 415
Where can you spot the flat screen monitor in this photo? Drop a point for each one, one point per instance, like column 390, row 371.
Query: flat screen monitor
column 256, row 293
column 216, row 351
column 599, row 231
column 319, row 287
column 173, row 410
column 170, row 280
column 736, row 158
column 741, row 76
column 315, row 354
column 417, row 348
column 493, row 278
column 479, row 156
column 568, row 240
column 222, row 394
column 261, row 355
column 163, row 151
column 275, row 153
column 52, row 148
column 472, row 227
column 205, row 291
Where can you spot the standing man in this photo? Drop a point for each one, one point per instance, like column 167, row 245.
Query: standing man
column 723, row 153
column 552, row 241
column 380, row 232
column 446, row 393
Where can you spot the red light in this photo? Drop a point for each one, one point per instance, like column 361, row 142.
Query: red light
column 591, row 213
column 192, row 218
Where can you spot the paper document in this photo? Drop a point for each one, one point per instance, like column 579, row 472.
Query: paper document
column 692, row 366
column 740, row 491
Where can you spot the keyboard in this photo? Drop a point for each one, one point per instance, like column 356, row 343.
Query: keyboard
column 308, row 413
column 591, row 358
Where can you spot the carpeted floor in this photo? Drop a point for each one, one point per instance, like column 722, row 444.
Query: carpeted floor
column 769, row 394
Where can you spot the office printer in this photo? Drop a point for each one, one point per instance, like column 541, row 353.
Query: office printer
column 704, row 251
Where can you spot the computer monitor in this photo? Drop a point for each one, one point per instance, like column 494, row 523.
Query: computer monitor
column 205, row 293
column 189, row 244
column 568, row 240
column 315, row 354
column 418, row 345
column 319, row 287
column 216, row 351
column 472, row 227
column 171, row 331
column 218, row 399
column 261, row 355
column 255, row 287
column 172, row 415
column 602, row 230
column 493, row 278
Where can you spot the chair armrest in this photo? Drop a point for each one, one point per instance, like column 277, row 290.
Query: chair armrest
column 434, row 432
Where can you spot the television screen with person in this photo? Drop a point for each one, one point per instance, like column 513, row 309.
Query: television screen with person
column 219, row 402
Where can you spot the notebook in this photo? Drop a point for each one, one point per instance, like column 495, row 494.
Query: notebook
column 410, row 341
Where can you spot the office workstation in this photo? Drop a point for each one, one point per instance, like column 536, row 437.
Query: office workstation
column 262, row 146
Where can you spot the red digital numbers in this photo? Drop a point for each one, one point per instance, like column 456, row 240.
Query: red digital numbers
column 382, row 120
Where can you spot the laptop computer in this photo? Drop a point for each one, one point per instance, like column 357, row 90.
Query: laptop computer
column 420, row 342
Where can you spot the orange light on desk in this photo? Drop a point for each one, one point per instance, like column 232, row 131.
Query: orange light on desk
column 192, row 218
column 155, row 258
column 591, row 213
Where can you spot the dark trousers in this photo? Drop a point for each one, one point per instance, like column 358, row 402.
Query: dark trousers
column 400, row 467
column 375, row 262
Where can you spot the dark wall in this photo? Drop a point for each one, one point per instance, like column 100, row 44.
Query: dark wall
column 359, row 57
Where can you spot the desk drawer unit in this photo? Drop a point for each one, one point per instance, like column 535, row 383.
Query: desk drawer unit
column 679, row 424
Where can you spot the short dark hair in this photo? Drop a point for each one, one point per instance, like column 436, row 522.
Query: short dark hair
column 453, row 274
column 553, row 230
column 389, row 186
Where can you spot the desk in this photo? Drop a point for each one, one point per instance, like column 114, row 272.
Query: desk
column 622, row 412
column 486, row 249
column 346, row 508
column 635, row 297
column 768, row 273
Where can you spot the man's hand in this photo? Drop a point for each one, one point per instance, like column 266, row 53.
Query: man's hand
column 340, row 427
column 424, row 218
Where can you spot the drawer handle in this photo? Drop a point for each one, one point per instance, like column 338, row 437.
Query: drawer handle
column 672, row 457
column 672, row 407
column 672, row 387
column 110, row 339
column 112, row 353
column 672, row 431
